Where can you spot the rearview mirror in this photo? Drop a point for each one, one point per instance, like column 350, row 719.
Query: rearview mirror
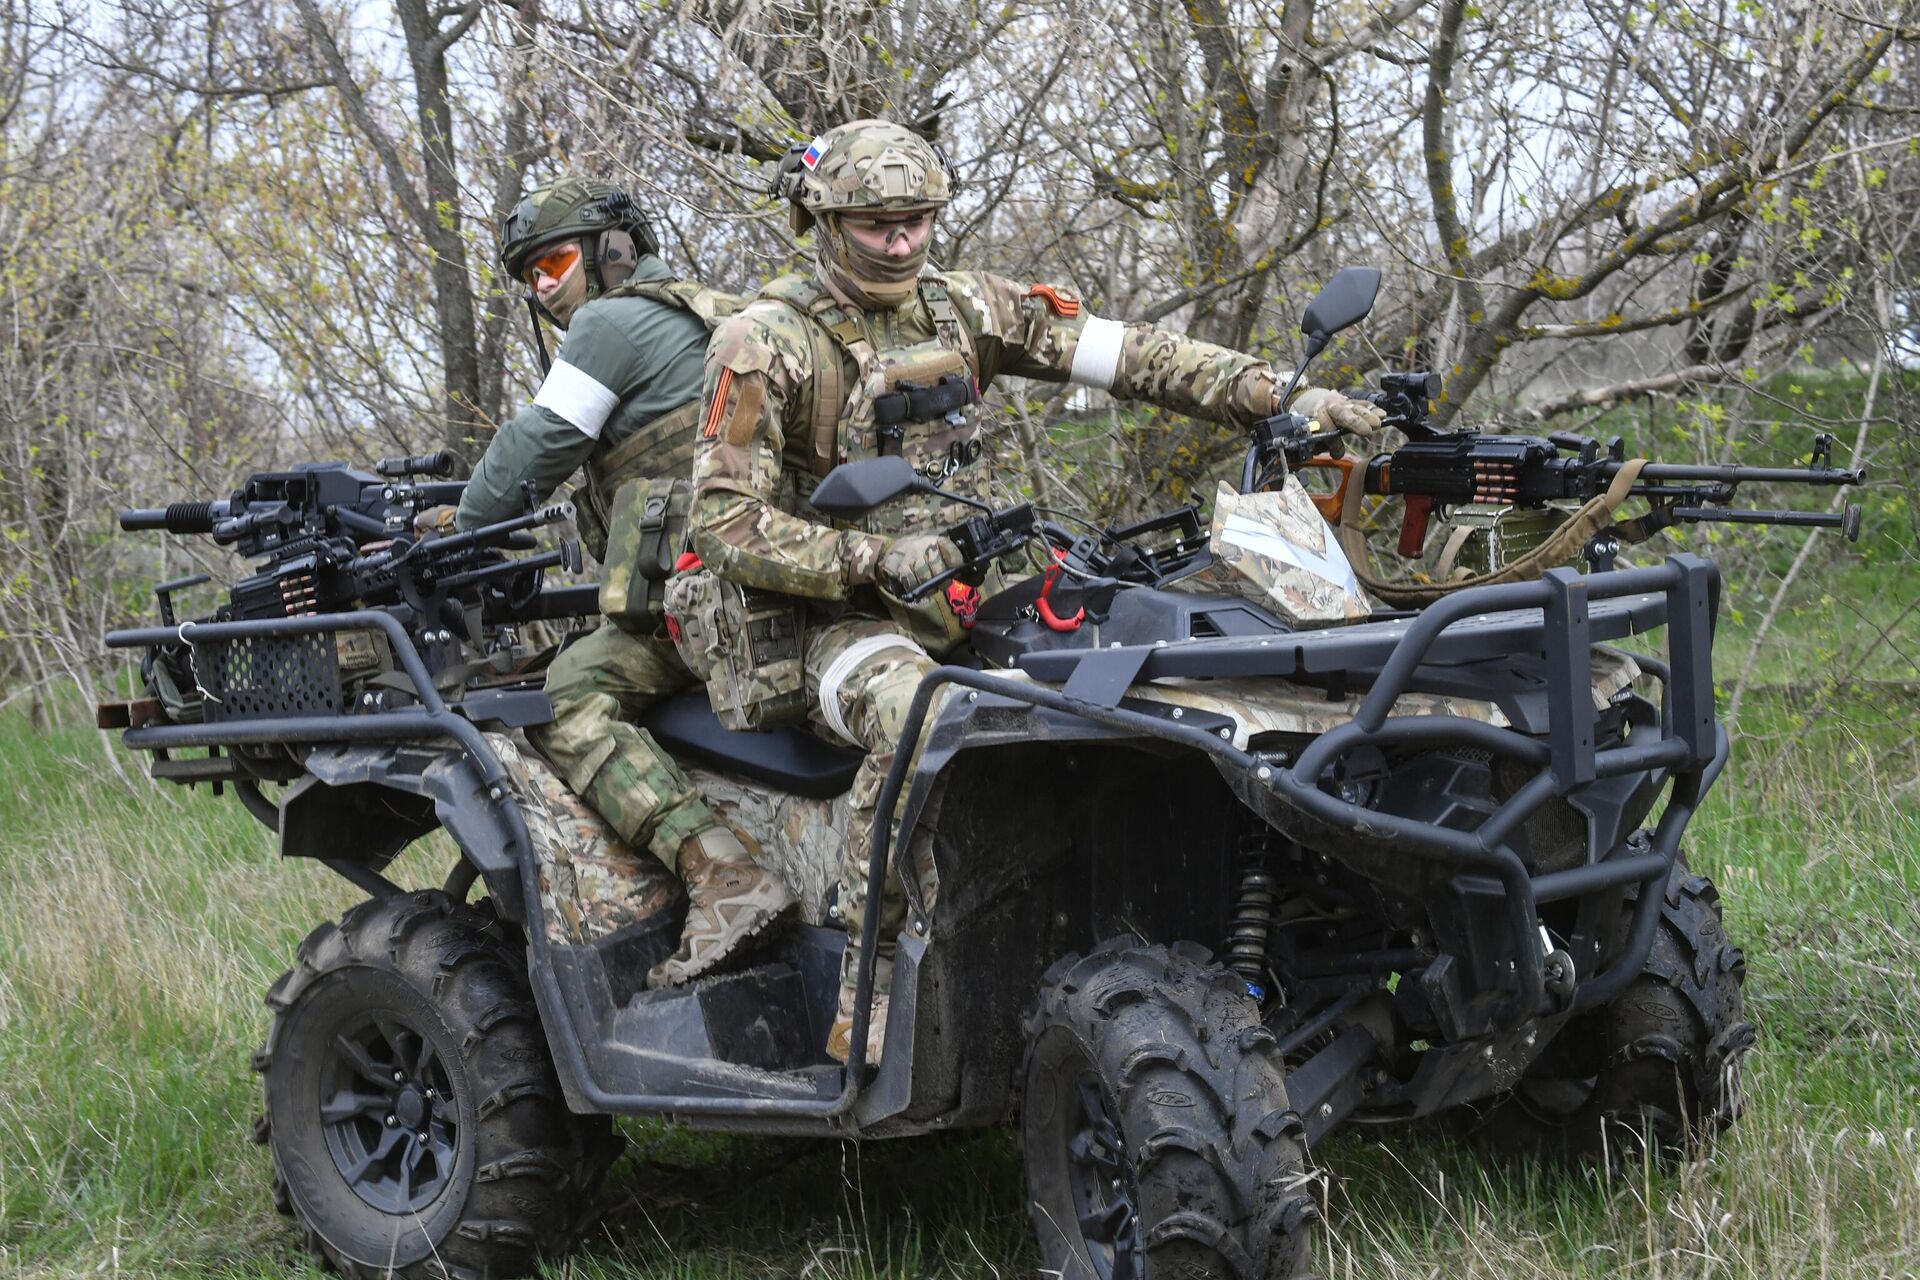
column 1345, row 301
column 854, row 488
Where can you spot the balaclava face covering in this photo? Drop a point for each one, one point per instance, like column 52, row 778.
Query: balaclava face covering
column 568, row 298
column 873, row 280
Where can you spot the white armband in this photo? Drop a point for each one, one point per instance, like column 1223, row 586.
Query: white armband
column 1096, row 358
column 577, row 397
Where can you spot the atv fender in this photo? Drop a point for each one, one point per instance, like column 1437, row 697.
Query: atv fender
column 479, row 822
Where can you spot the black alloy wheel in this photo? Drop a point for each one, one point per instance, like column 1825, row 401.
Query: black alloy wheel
column 391, row 1118
column 1106, row 1198
column 415, row 1122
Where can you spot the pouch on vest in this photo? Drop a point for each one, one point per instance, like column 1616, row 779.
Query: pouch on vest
column 745, row 644
column 589, row 521
column 646, row 529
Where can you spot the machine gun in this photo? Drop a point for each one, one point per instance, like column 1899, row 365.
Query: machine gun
column 333, row 540
column 1435, row 470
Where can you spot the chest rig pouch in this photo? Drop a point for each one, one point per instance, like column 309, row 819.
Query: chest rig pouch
column 905, row 384
column 646, row 532
column 745, row 644
column 894, row 385
column 661, row 446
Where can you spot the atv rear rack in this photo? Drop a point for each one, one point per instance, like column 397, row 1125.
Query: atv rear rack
column 1560, row 616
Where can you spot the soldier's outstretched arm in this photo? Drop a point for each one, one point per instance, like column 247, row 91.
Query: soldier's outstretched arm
column 754, row 375
column 1044, row 332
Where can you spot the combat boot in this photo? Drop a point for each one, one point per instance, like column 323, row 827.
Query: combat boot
column 840, row 1035
column 730, row 899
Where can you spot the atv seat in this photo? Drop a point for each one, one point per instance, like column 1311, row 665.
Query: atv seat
column 789, row 759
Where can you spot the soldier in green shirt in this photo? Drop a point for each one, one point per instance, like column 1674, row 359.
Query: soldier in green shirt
column 621, row 401
column 872, row 353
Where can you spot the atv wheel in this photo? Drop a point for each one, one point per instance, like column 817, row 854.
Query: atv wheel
column 415, row 1123
column 1154, row 1123
column 1659, row 1067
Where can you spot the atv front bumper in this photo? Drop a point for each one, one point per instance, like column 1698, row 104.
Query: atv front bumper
column 1548, row 626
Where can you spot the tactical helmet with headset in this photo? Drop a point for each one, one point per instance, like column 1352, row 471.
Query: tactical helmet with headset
column 613, row 234
column 863, row 167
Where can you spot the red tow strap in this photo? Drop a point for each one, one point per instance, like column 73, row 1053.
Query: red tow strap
column 1045, row 606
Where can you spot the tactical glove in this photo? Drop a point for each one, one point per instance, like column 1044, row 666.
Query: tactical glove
column 910, row 561
column 1335, row 412
column 435, row 522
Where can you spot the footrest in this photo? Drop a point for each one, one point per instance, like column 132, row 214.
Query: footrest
column 753, row 1019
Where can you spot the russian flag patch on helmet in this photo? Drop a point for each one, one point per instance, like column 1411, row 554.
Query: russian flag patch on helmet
column 813, row 154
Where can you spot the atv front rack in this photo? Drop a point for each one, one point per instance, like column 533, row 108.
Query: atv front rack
column 1558, row 617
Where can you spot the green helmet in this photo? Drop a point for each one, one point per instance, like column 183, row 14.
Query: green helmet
column 863, row 164
column 592, row 211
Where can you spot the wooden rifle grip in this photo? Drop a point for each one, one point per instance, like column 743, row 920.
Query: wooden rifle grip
column 1330, row 504
column 1413, row 529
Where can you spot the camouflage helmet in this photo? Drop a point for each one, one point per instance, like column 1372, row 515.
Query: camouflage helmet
column 573, row 207
column 864, row 164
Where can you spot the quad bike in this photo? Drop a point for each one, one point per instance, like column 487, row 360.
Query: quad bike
column 1259, row 860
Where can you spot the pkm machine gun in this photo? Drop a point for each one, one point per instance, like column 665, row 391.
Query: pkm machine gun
column 1436, row 470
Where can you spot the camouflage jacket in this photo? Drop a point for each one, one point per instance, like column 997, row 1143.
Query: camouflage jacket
column 759, row 446
column 626, row 363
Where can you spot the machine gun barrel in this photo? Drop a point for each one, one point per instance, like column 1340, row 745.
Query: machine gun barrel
column 552, row 513
column 177, row 517
column 1683, row 473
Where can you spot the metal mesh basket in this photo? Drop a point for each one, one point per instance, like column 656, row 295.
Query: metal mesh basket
column 259, row 677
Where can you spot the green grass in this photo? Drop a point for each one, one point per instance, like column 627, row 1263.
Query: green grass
column 141, row 925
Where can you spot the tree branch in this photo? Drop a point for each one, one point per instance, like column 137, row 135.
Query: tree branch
column 1615, row 324
column 377, row 137
column 445, row 40
column 1635, row 389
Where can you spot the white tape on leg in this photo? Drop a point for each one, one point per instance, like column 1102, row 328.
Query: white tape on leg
column 842, row 667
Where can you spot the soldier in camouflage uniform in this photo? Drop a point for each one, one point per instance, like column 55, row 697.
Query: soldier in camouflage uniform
column 621, row 400
column 871, row 353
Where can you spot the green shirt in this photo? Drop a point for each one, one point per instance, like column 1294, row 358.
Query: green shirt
column 624, row 362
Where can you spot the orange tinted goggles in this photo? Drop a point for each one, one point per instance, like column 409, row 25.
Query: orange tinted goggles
column 555, row 262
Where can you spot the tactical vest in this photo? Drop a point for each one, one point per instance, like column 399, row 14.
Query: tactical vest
column 663, row 446
column 632, row 510
column 876, row 389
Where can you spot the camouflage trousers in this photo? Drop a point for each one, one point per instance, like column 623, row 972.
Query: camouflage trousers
column 591, row 884
column 871, row 698
column 598, row 687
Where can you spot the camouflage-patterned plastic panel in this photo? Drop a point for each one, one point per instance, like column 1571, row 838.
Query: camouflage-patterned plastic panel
column 1274, row 549
column 800, row 838
column 1264, row 705
column 1259, row 704
column 591, row 883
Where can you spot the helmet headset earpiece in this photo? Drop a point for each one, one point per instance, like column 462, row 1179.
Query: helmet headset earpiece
column 616, row 256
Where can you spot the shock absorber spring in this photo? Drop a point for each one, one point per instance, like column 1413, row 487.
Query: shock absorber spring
column 1254, row 902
